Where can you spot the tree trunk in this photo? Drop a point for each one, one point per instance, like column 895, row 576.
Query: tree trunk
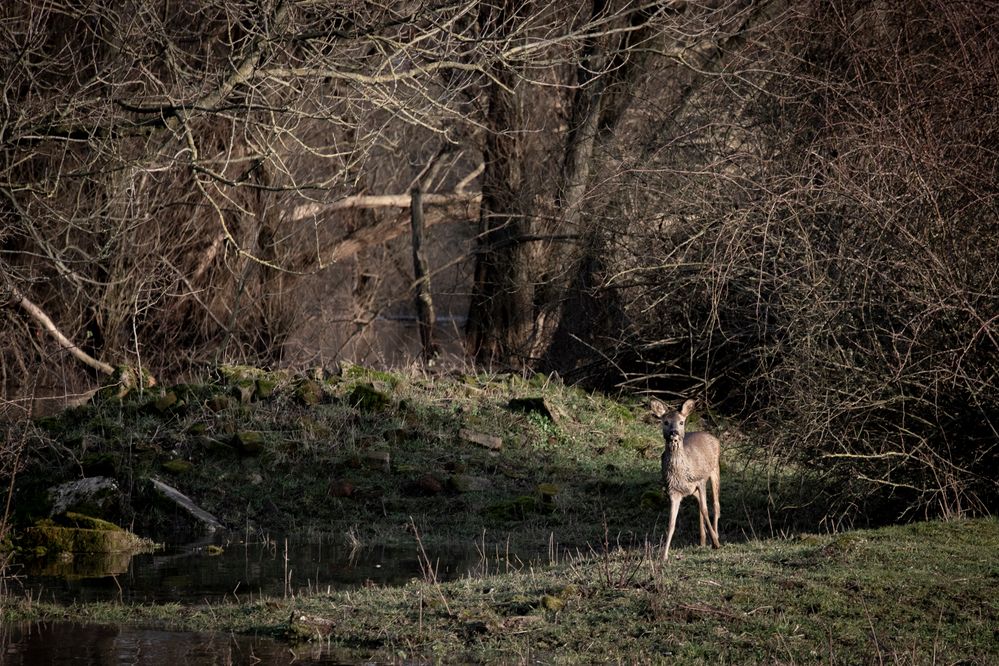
column 500, row 315
column 421, row 277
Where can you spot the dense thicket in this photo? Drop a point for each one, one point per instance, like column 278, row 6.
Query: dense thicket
column 786, row 208
column 824, row 259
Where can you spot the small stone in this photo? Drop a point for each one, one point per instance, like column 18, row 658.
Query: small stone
column 490, row 442
column 378, row 460
column 465, row 483
column 218, row 403
column 165, row 402
column 548, row 492
column 243, row 390
column 178, row 466
column 428, row 484
column 342, row 488
column 400, row 435
column 309, row 392
column 431, row 484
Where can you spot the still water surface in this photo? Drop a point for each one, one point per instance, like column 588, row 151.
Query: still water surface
column 43, row 643
column 191, row 573
column 194, row 573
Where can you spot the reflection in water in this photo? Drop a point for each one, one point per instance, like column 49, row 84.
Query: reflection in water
column 44, row 643
column 190, row 573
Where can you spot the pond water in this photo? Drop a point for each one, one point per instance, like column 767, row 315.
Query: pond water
column 45, row 643
column 198, row 572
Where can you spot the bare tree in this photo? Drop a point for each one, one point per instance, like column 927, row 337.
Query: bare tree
column 171, row 172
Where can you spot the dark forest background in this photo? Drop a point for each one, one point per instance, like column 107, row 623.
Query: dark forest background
column 788, row 209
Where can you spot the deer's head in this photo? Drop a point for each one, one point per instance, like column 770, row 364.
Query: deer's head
column 673, row 422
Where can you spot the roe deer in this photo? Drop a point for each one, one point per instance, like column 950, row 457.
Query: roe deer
column 690, row 459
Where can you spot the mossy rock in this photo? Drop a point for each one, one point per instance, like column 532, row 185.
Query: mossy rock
column 178, row 466
column 125, row 381
column 166, row 402
column 517, row 508
column 552, row 603
column 219, row 403
column 243, row 390
column 192, row 394
column 466, row 483
column 370, row 375
column 309, row 392
column 232, row 373
column 379, row 460
column 83, row 521
column 211, row 446
column 264, row 387
column 249, row 442
column 78, row 533
column 367, row 398
column 547, row 492
column 313, row 427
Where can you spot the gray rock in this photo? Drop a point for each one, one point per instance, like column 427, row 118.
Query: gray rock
column 93, row 495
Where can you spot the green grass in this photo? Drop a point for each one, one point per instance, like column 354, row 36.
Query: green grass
column 922, row 593
column 275, row 465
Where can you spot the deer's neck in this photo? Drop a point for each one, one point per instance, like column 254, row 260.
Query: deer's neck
column 675, row 458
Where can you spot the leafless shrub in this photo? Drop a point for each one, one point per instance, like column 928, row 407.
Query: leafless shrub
column 824, row 254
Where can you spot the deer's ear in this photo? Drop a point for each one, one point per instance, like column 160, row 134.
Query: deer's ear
column 687, row 408
column 658, row 408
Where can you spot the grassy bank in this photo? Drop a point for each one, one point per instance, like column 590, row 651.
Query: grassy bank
column 520, row 466
column 921, row 593
column 361, row 452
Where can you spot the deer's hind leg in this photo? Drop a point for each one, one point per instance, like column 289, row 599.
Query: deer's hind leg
column 702, row 517
column 702, row 499
column 716, row 491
